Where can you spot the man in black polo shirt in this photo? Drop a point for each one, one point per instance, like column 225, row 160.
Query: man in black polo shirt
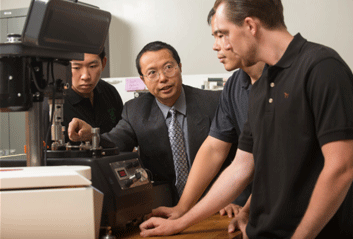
column 297, row 145
column 90, row 98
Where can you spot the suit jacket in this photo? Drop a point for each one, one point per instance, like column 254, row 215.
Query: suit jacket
column 143, row 125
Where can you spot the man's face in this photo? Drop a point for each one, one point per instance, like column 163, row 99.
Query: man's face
column 228, row 58
column 86, row 74
column 236, row 38
column 166, row 89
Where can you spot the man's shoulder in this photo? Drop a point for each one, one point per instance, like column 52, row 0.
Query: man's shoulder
column 141, row 101
column 71, row 97
column 313, row 47
column 200, row 93
column 109, row 92
column 313, row 53
column 141, row 108
column 202, row 100
column 238, row 79
column 236, row 74
column 104, row 85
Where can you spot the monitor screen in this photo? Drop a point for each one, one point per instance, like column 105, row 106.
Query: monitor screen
column 67, row 26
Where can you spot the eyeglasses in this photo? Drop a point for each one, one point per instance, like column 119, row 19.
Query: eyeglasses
column 169, row 71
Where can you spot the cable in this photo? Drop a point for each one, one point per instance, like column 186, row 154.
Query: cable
column 35, row 80
column 52, row 110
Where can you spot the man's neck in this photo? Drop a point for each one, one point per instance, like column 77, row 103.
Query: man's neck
column 90, row 95
column 170, row 101
column 254, row 71
column 273, row 45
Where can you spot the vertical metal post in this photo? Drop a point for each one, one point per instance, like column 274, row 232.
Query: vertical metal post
column 95, row 138
column 57, row 129
column 34, row 135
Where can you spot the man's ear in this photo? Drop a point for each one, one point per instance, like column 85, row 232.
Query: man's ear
column 143, row 79
column 104, row 62
column 251, row 24
column 180, row 67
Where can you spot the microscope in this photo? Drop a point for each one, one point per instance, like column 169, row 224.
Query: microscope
column 35, row 66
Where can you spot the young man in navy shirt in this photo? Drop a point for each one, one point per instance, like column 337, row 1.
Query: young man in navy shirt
column 225, row 130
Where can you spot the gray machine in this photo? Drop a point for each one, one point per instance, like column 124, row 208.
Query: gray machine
column 36, row 65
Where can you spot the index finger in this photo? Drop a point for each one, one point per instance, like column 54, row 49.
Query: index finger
column 233, row 225
column 146, row 225
column 72, row 129
column 74, row 136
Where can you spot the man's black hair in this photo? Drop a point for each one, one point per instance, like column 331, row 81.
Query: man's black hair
column 156, row 46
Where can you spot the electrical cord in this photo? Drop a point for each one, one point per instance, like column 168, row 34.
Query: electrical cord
column 35, row 80
column 51, row 63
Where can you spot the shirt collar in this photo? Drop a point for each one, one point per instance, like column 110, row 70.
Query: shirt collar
column 98, row 88
column 292, row 50
column 75, row 98
column 179, row 105
column 245, row 80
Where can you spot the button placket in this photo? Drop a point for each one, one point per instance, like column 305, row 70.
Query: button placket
column 272, row 85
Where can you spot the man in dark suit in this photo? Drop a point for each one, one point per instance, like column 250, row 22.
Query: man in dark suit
column 145, row 120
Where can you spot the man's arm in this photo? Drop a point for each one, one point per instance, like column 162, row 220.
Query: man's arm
column 209, row 158
column 122, row 135
column 228, row 186
column 330, row 189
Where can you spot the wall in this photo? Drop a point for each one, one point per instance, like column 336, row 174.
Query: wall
column 182, row 23
column 197, row 81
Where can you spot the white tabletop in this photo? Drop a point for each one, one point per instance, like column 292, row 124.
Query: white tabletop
column 44, row 177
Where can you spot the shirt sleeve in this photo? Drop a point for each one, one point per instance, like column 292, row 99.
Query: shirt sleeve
column 224, row 125
column 122, row 135
column 330, row 93
column 246, row 139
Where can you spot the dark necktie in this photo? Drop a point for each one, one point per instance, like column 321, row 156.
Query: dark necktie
column 179, row 152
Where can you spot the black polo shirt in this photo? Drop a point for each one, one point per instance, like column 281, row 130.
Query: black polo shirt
column 104, row 113
column 297, row 106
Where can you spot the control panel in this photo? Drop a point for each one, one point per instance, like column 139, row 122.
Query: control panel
column 129, row 173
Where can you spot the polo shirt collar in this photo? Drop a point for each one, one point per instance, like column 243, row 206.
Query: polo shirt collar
column 179, row 105
column 75, row 98
column 291, row 52
column 245, row 80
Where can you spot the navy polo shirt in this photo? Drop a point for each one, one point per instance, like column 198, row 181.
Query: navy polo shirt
column 297, row 106
column 231, row 114
column 105, row 112
column 232, row 110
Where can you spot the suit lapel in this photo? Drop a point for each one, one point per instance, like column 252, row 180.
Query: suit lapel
column 160, row 134
column 198, row 124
